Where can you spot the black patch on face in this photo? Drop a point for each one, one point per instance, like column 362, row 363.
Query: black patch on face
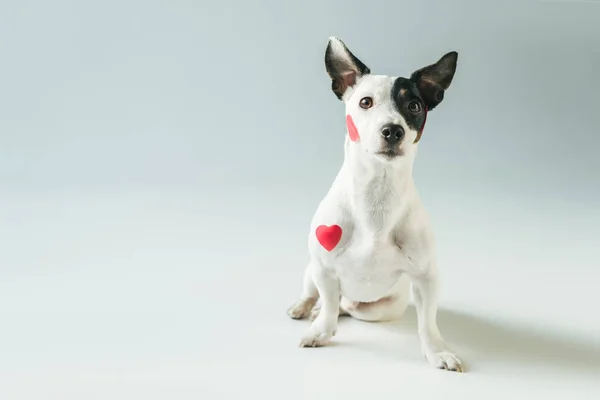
column 405, row 91
column 427, row 86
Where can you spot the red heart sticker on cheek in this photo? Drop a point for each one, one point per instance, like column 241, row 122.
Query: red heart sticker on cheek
column 352, row 131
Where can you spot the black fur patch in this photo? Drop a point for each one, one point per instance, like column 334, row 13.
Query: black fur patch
column 403, row 92
column 433, row 80
column 427, row 86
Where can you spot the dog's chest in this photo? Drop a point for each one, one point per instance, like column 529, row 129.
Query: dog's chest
column 359, row 234
column 376, row 203
column 369, row 266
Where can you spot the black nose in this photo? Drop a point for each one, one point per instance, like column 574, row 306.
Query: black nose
column 392, row 133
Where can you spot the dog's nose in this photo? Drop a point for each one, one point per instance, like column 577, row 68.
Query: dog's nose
column 392, row 133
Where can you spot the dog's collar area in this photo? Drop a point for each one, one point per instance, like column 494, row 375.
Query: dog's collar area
column 422, row 126
column 424, row 120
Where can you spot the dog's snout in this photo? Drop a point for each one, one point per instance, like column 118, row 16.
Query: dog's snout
column 392, row 133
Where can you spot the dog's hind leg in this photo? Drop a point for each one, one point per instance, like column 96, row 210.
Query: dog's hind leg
column 302, row 308
column 388, row 308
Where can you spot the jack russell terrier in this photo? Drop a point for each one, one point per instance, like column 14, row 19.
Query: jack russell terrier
column 371, row 239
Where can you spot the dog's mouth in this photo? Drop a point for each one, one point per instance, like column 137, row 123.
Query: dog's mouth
column 390, row 154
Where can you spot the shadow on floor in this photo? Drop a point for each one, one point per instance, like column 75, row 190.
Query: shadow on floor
column 497, row 342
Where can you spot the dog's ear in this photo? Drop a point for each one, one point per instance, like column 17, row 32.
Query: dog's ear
column 433, row 80
column 343, row 67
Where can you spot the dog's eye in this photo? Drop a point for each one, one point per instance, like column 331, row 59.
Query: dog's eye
column 366, row 103
column 414, row 106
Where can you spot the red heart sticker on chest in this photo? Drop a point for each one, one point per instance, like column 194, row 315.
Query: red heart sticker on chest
column 329, row 236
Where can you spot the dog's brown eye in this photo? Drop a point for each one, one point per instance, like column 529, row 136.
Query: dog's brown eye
column 366, row 102
column 414, row 106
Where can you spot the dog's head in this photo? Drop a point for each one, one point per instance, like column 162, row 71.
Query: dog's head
column 386, row 115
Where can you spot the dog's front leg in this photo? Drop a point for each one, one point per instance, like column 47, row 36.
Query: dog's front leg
column 324, row 327
column 435, row 349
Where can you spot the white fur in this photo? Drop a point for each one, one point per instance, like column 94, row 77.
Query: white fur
column 387, row 242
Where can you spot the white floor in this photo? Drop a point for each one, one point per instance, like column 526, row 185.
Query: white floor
column 146, row 295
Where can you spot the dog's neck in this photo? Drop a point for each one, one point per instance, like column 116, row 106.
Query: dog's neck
column 377, row 189
column 366, row 169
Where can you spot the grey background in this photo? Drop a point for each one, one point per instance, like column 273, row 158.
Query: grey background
column 160, row 162
column 185, row 93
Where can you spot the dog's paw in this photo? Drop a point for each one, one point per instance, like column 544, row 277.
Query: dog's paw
column 316, row 338
column 301, row 309
column 445, row 360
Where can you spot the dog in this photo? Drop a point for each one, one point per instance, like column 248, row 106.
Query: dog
column 371, row 241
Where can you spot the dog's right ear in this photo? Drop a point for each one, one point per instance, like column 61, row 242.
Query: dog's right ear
column 343, row 67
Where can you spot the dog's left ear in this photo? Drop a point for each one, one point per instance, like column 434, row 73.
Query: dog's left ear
column 433, row 80
column 343, row 67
